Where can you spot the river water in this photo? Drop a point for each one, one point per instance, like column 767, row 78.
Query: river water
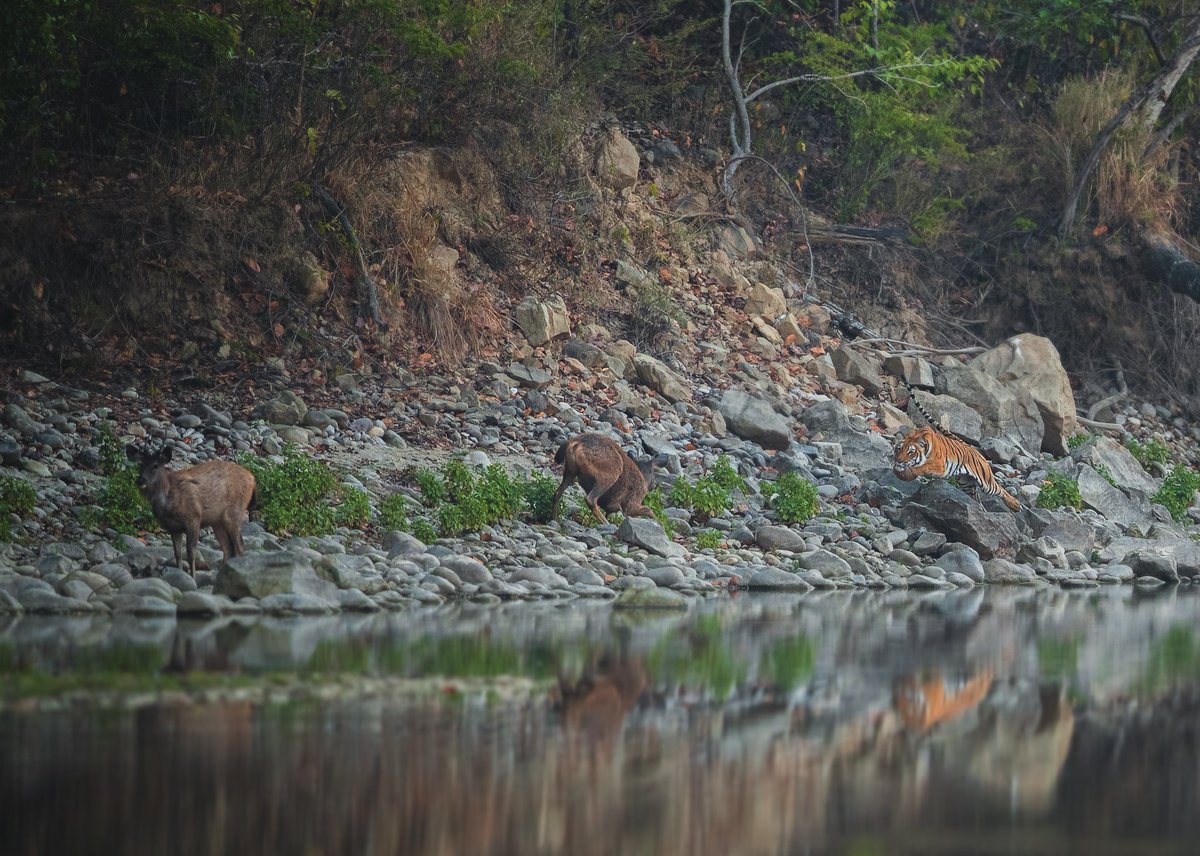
column 993, row 721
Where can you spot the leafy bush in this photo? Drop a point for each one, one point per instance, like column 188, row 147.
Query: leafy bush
column 462, row 499
column 1077, row 440
column 711, row 494
column 300, row 495
column 18, row 497
column 794, row 499
column 1151, row 452
column 539, row 494
column 654, row 501
column 355, row 508
column 1059, row 491
column 1105, row 473
column 118, row 504
column 1178, row 490
column 393, row 512
column 708, row 539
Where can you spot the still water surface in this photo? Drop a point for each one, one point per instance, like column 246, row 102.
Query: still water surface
column 991, row 722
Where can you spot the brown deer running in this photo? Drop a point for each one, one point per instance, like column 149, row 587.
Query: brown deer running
column 219, row 494
column 612, row 479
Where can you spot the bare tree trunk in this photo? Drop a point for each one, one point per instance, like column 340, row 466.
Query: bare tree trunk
column 739, row 119
column 365, row 283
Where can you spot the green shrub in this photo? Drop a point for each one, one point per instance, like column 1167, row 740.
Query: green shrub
column 708, row 539
column 1105, row 473
column 295, row 495
column 539, row 494
column 1151, row 452
column 355, row 508
column 1077, row 440
column 1178, row 490
column 794, row 499
column 424, row 532
column 1059, row 491
column 711, row 494
column 654, row 501
column 18, row 497
column 393, row 512
column 465, row 499
column 118, row 504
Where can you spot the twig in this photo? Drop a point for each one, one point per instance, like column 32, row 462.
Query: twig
column 912, row 349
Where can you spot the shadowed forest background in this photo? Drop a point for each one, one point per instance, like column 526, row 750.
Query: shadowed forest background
column 251, row 179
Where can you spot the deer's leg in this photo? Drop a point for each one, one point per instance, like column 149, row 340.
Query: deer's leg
column 567, row 479
column 177, row 543
column 599, row 489
column 222, row 530
column 193, row 538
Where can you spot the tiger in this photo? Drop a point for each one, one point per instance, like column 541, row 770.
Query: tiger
column 929, row 452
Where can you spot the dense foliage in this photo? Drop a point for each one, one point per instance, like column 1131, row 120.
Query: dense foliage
column 17, row 497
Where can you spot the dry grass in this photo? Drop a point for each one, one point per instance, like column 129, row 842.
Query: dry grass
column 1128, row 189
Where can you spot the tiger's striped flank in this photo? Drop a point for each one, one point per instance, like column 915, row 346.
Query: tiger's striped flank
column 927, row 452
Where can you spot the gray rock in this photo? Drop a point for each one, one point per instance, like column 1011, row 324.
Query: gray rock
column 296, row 603
column 538, row 574
column 665, row 575
column 469, row 570
column 1100, row 496
column 650, row 598
column 617, row 161
column 965, row 562
column 770, row 578
column 576, row 574
column 655, row 375
column 1063, row 526
column 20, row 421
column 151, row 587
column 1031, row 363
column 1148, row 564
column 398, row 543
column 857, row 368
column 353, row 600
column 198, row 603
column 754, row 419
column 264, row 574
column 772, row 538
column 649, row 535
column 542, row 320
column 940, row 506
column 860, row 450
column 1008, row 412
column 830, row 566
column 921, row 581
column 285, row 408
column 529, row 376
column 1002, row 571
column 38, row 600
column 949, row 414
column 1124, row 468
column 10, row 452
column 144, row 605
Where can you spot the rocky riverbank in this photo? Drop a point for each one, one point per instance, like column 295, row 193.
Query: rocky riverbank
column 873, row 530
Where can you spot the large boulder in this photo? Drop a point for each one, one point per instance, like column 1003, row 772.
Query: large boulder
column 543, row 320
column 274, row 572
column 766, row 301
column 1124, row 468
column 858, row 369
column 944, row 508
column 1032, row 363
column 1007, row 411
column 649, row 535
column 754, row 419
column 286, row 408
column 1065, row 527
column 949, row 414
column 617, row 161
column 658, row 377
column 863, row 450
column 1102, row 497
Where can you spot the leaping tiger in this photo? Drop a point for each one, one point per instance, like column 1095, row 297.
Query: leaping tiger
column 927, row 451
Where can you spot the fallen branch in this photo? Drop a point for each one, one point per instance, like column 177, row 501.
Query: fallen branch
column 365, row 282
column 1101, row 426
column 912, row 349
column 1122, row 392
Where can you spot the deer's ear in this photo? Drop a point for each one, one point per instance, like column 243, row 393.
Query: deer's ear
column 131, row 452
column 165, row 454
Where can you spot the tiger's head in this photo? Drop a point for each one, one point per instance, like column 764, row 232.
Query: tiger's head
column 912, row 452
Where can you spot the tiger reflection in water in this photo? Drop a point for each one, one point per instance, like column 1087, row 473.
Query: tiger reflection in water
column 926, row 700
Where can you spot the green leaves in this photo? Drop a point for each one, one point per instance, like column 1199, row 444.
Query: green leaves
column 794, row 499
column 1059, row 491
column 18, row 497
column 1178, row 490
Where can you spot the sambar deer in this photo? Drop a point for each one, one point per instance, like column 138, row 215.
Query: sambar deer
column 612, row 479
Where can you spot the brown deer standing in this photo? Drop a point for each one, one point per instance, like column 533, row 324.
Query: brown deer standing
column 612, row 479
column 219, row 494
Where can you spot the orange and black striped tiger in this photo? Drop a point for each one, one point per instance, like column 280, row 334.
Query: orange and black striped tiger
column 925, row 452
column 930, row 452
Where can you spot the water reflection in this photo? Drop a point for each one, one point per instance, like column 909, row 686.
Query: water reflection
column 863, row 723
